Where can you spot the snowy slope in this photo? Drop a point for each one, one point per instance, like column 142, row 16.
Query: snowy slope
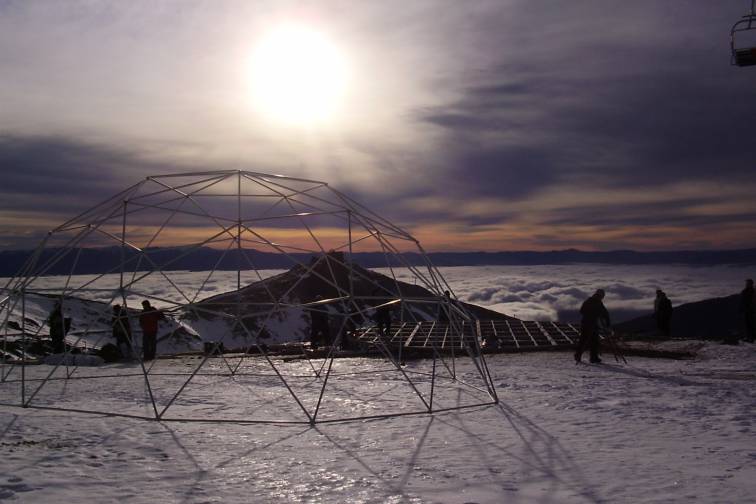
column 91, row 324
column 654, row 430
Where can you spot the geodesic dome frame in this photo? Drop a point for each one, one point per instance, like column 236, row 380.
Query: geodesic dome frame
column 156, row 226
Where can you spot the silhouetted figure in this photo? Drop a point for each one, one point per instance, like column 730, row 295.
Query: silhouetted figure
column 148, row 321
column 748, row 308
column 657, row 299
column 347, row 338
column 122, row 331
column 383, row 320
column 594, row 313
column 490, row 341
column 663, row 313
column 58, row 328
column 320, row 330
column 346, row 334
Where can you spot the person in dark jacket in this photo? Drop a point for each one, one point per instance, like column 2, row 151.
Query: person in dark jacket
column 57, row 328
column 593, row 314
column 748, row 309
column 657, row 300
column 122, row 331
column 320, row 329
column 148, row 321
column 663, row 313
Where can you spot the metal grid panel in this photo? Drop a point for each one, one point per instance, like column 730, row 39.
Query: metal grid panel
column 505, row 335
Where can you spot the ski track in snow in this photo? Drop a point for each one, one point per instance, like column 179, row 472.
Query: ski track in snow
column 653, row 430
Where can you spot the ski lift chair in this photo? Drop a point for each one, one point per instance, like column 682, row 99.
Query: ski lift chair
column 743, row 56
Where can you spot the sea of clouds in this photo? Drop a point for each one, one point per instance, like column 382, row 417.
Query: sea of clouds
column 545, row 292
column 555, row 292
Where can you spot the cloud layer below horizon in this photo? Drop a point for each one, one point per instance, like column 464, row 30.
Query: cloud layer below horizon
column 526, row 292
column 550, row 292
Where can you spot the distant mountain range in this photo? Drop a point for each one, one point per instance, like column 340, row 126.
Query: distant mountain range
column 101, row 260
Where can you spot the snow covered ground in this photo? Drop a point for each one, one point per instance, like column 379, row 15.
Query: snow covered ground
column 653, row 430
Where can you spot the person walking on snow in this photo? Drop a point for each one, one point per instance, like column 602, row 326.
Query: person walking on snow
column 594, row 313
column 148, row 320
column 663, row 313
column 57, row 324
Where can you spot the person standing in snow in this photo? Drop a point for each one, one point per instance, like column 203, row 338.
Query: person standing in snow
column 122, row 331
column 663, row 313
column 347, row 337
column 748, row 309
column 593, row 313
column 347, row 328
column 657, row 300
column 320, row 330
column 148, row 321
column 57, row 328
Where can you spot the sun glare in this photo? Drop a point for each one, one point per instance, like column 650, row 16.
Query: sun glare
column 298, row 76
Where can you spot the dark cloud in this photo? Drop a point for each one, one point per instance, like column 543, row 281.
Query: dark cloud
column 657, row 130
column 55, row 173
column 610, row 217
column 607, row 104
column 646, row 106
column 47, row 180
column 670, row 213
column 512, row 171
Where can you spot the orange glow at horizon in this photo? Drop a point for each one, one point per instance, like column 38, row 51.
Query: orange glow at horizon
column 446, row 237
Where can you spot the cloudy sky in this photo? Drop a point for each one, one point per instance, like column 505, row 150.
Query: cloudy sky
column 477, row 125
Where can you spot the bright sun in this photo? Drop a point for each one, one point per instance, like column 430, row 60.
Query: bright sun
column 298, row 76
